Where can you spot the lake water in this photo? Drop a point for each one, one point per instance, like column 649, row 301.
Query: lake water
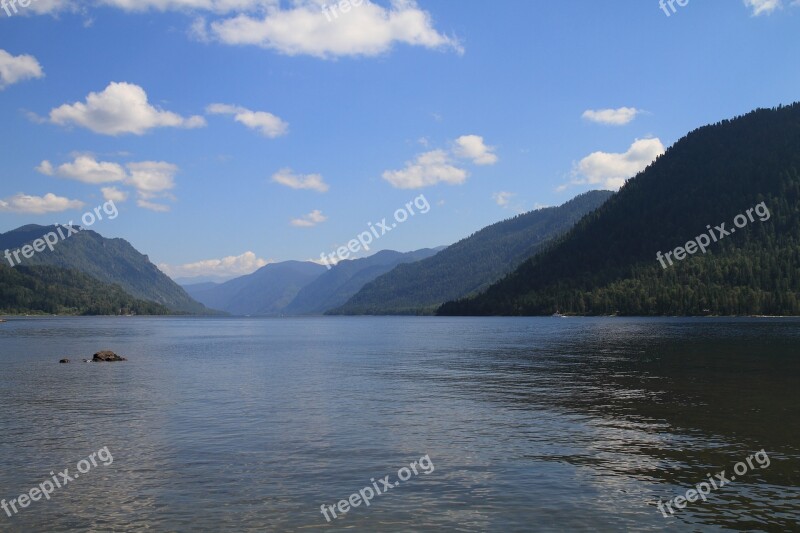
column 530, row 424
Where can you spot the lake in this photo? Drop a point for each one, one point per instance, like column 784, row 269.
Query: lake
column 528, row 424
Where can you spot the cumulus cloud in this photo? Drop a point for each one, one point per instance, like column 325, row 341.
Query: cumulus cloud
column 152, row 206
column 44, row 7
column 441, row 166
column 45, row 168
column 764, row 7
column 611, row 170
column 85, row 169
column 119, row 109
column 216, row 6
column 227, row 267
column 611, row 117
column 472, row 147
column 503, row 198
column 304, row 29
column 310, row 220
column 14, row 69
column 313, row 182
column 38, row 205
column 427, row 169
column 265, row 123
column 112, row 194
column 150, row 179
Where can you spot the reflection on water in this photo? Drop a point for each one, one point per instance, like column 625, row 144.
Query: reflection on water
column 533, row 424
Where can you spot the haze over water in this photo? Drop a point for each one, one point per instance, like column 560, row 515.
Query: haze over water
column 532, row 424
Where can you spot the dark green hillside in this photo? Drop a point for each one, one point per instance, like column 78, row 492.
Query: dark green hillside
column 607, row 263
column 111, row 261
column 49, row 290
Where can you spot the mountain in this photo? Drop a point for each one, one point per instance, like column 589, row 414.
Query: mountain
column 748, row 166
column 337, row 285
column 50, row 290
column 111, row 261
column 267, row 291
column 198, row 287
column 201, row 280
column 471, row 264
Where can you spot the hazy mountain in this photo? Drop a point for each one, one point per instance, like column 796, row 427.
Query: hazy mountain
column 199, row 280
column 112, row 261
column 608, row 263
column 336, row 286
column 266, row 291
column 471, row 264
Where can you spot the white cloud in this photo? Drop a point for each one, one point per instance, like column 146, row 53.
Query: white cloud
column 314, row 182
column 439, row 166
column 45, row 168
column 310, row 220
column 427, row 169
column 233, row 266
column 120, row 108
column 611, row 117
column 43, row 7
column 266, row 123
column 221, row 7
column 39, row 205
column 472, row 147
column 503, row 198
column 14, row 69
column 303, row 29
column 151, row 179
column 85, row 169
column 764, row 7
column 610, row 170
column 216, row 6
column 152, row 206
column 112, row 194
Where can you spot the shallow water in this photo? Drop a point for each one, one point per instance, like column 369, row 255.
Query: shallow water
column 530, row 424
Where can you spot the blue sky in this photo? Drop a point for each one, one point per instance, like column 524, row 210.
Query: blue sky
column 259, row 130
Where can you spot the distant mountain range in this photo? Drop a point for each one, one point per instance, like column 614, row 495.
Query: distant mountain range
column 109, row 261
column 267, row 291
column 392, row 282
column 471, row 264
column 296, row 288
column 608, row 264
column 336, row 286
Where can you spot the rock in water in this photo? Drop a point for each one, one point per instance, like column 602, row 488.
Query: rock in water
column 64, row 361
column 107, row 357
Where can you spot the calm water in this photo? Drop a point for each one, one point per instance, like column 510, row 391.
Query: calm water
column 531, row 424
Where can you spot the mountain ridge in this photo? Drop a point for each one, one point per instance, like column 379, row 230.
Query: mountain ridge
column 470, row 264
column 708, row 177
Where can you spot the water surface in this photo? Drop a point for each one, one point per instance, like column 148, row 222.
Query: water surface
column 531, row 424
